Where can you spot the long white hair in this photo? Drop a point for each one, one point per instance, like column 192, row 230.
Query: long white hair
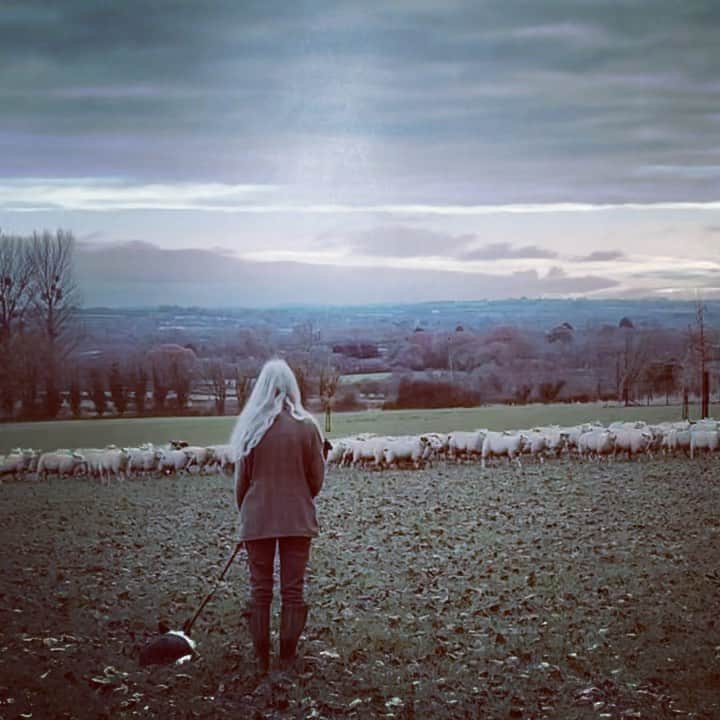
column 275, row 389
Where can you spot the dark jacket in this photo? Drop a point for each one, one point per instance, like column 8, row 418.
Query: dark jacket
column 278, row 481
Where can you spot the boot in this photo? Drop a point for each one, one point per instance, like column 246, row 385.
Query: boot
column 292, row 623
column 259, row 626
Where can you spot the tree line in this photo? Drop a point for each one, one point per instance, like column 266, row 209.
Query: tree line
column 38, row 303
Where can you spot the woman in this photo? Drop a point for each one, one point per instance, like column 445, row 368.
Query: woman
column 279, row 470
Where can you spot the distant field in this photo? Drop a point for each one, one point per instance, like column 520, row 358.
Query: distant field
column 209, row 430
column 359, row 377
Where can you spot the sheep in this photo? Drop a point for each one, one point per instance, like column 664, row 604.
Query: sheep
column 438, row 446
column 223, row 458
column 707, row 440
column 198, row 456
column 14, row 464
column 113, row 462
column 466, row 444
column 172, row 461
column 336, row 454
column 499, row 444
column 556, row 440
column 61, row 463
column 675, row 439
column 574, row 432
column 93, row 461
column 365, row 451
column 143, row 459
column 411, row 449
column 597, row 442
column 536, row 445
column 633, row 441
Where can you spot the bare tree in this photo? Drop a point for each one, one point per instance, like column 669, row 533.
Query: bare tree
column 304, row 335
column 27, row 370
column 631, row 362
column 181, row 383
column 161, row 387
column 700, row 354
column 302, row 374
column 55, row 298
column 214, row 372
column 97, row 392
column 659, row 378
column 15, row 286
column 549, row 390
column 75, row 395
column 139, row 383
column 522, row 393
column 173, row 367
column 243, row 386
column 119, row 391
column 329, row 378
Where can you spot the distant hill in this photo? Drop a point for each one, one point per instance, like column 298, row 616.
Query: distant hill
column 547, row 313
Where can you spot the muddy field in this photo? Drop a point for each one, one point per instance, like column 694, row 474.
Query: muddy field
column 569, row 591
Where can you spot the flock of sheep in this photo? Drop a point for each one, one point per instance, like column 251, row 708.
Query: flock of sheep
column 113, row 462
column 585, row 441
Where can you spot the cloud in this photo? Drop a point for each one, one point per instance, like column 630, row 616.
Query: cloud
column 683, row 171
column 104, row 194
column 504, row 251
column 581, row 34
column 601, row 256
column 142, row 262
column 681, row 277
column 115, row 194
column 557, row 282
column 398, row 241
column 590, row 99
column 139, row 273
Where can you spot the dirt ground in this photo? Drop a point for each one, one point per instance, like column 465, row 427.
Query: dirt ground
column 566, row 591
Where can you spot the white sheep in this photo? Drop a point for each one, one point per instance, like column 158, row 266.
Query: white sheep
column 597, row 442
column 172, row 461
column 503, row 444
column 706, row 440
column 409, row 449
column 63, row 463
column 462, row 444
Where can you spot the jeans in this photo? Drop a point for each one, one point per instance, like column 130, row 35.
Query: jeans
column 294, row 554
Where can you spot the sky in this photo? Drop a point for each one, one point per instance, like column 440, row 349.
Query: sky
column 239, row 153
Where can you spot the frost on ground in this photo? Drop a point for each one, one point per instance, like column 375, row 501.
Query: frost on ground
column 569, row 591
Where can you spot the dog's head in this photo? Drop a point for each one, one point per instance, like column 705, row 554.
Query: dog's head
column 327, row 447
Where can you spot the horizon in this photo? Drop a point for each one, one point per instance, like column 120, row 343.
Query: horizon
column 338, row 306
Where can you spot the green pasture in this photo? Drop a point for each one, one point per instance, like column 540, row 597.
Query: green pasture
column 211, row 430
column 353, row 378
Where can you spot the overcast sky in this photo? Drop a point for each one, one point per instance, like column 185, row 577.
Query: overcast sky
column 230, row 153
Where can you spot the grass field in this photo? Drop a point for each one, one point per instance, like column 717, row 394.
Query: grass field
column 567, row 591
column 210, row 430
column 353, row 378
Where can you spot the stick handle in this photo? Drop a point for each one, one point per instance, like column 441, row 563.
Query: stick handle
column 189, row 623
